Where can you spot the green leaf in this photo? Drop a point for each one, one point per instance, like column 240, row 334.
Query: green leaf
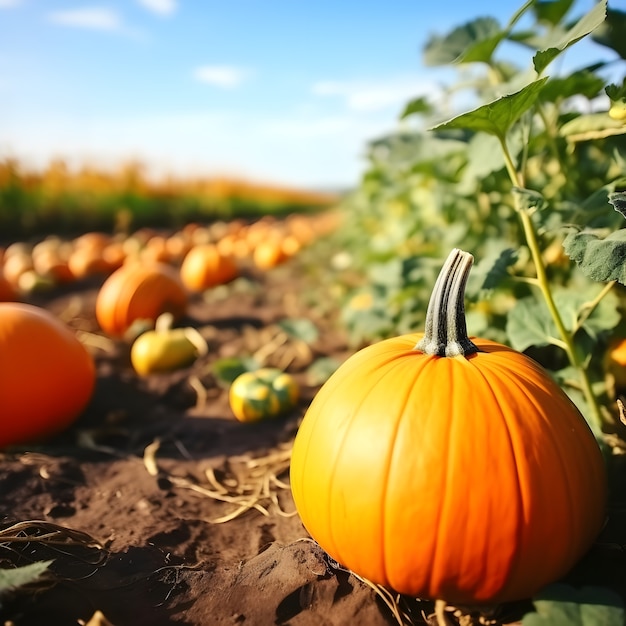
column 498, row 272
column 529, row 322
column 302, row 328
column 588, row 23
column 415, row 107
column 581, row 83
column 497, row 117
column 563, row 605
column 491, row 271
column 616, row 92
column 612, row 32
column 591, row 126
column 321, row 370
column 20, row 576
column 551, row 11
column 474, row 41
column 227, row 369
column 600, row 259
column 618, row 200
column 530, row 199
column 617, row 95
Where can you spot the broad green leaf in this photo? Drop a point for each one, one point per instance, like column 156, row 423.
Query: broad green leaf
column 551, row 11
column 497, row 117
column 416, row 106
column 301, row 328
column 491, row 271
column 472, row 42
column 530, row 324
column 591, row 126
column 20, row 576
column 612, row 32
column 498, row 272
column 227, row 369
column 588, row 23
column 582, row 83
column 563, row 605
column 600, row 259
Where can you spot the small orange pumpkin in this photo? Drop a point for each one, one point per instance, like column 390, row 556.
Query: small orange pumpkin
column 448, row 468
column 7, row 290
column 139, row 292
column 47, row 376
column 204, row 266
column 269, row 253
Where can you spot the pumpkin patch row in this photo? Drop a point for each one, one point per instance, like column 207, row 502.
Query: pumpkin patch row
column 206, row 255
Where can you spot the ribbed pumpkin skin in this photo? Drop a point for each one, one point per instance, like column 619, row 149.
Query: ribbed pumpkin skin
column 468, row 479
column 47, row 376
column 136, row 291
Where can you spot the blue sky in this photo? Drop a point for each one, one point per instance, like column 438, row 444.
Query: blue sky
column 276, row 90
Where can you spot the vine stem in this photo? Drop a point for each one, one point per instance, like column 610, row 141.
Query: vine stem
column 544, row 286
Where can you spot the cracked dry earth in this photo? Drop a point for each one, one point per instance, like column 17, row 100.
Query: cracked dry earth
column 157, row 507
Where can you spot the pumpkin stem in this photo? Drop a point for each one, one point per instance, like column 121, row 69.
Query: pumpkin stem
column 445, row 332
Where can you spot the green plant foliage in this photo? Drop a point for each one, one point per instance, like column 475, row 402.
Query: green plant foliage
column 551, row 11
column 301, row 328
column 587, row 24
column 417, row 106
column 563, row 605
column 497, row 117
column 612, row 32
column 600, row 258
column 529, row 323
column 18, row 577
column 227, row 369
column 474, row 41
column 523, row 180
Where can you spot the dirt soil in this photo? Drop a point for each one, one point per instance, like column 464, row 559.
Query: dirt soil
column 143, row 506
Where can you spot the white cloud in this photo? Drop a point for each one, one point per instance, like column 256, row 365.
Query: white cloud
column 160, row 7
column 376, row 95
column 9, row 4
column 97, row 18
column 224, row 76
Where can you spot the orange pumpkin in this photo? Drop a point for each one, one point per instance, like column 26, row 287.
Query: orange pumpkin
column 47, row 375
column 204, row 266
column 448, row 468
column 7, row 290
column 139, row 292
column 268, row 254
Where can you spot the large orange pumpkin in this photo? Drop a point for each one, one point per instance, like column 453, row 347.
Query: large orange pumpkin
column 139, row 292
column 448, row 468
column 47, row 376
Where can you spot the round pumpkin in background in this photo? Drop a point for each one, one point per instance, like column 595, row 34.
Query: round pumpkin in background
column 269, row 253
column 449, row 468
column 205, row 266
column 138, row 291
column 47, row 375
column 8, row 292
